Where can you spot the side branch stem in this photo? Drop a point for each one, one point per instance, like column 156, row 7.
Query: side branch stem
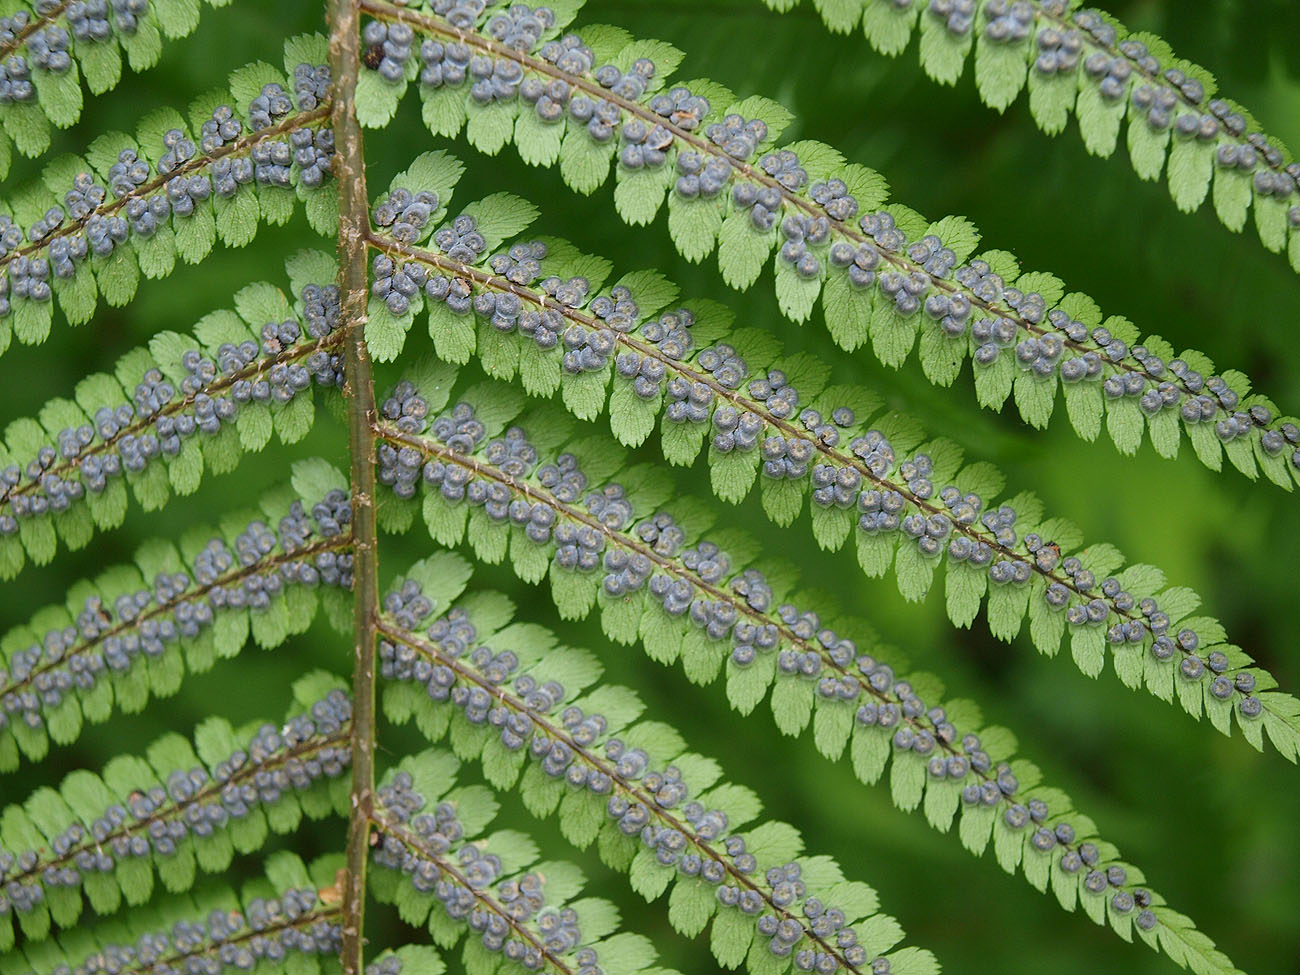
column 354, row 222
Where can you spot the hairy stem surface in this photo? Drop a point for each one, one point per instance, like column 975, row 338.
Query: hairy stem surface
column 354, row 221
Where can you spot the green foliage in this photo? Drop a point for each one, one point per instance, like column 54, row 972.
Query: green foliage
column 582, row 818
column 486, row 737
column 735, row 472
column 104, row 507
column 1114, row 350
column 232, row 219
column 853, row 696
column 156, row 790
column 129, row 653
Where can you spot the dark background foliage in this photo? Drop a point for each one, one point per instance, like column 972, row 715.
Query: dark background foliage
column 1211, row 822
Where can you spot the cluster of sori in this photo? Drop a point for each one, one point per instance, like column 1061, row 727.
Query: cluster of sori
column 1008, row 21
column 579, row 546
column 406, row 408
column 783, row 457
column 588, row 340
column 127, row 13
column 587, row 350
column 109, row 635
column 310, row 151
column 800, row 231
column 906, row 290
column 520, row 26
column 143, row 201
column 403, row 214
column 437, row 831
column 269, row 107
column 616, row 310
column 1140, row 621
column 1059, row 50
column 521, row 264
column 409, row 607
column 699, row 176
column 927, row 732
column 735, row 429
column 461, row 241
column 495, row 79
column 450, row 62
column 47, row 47
column 544, row 324
column 1170, row 98
column 160, row 418
column 509, row 914
column 691, row 401
column 670, row 333
column 220, row 129
column 396, row 284
column 737, row 136
column 270, row 929
column 388, row 48
column 442, row 64
column 1058, row 343
column 567, row 741
column 196, row 801
column 763, row 203
column 461, row 431
column 313, row 154
column 811, row 648
column 16, row 81
column 452, row 634
column 311, row 85
column 956, row 15
column 643, row 145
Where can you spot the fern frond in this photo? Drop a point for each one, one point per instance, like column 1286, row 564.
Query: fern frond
column 50, row 46
column 656, row 809
column 183, row 804
column 1085, row 63
column 696, row 604
column 288, row 917
column 527, row 911
column 165, row 194
column 194, row 403
column 890, row 276
column 872, row 475
column 134, row 631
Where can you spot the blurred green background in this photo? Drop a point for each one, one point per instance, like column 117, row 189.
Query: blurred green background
column 1212, row 823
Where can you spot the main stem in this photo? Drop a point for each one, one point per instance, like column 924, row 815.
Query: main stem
column 354, row 223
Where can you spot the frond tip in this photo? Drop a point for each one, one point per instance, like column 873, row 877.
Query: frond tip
column 1085, row 63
